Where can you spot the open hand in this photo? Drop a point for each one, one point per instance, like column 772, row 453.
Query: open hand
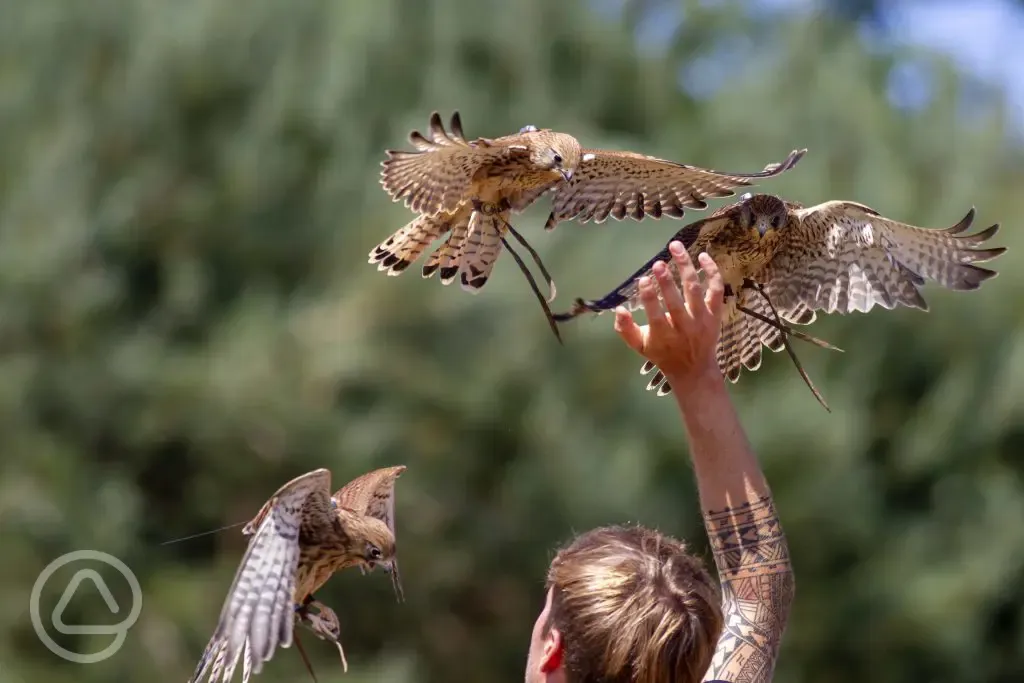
column 681, row 336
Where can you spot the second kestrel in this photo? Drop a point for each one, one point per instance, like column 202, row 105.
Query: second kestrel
column 781, row 262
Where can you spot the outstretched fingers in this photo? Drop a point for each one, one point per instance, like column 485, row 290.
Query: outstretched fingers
column 683, row 327
column 627, row 328
column 656, row 319
column 714, row 298
column 670, row 294
column 692, row 290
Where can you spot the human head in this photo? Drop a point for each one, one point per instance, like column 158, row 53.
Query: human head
column 625, row 604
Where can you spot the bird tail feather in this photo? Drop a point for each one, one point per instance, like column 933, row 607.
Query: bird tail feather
column 446, row 257
column 403, row 248
column 481, row 249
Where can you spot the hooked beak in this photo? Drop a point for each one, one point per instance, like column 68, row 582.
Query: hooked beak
column 386, row 565
column 566, row 173
column 762, row 228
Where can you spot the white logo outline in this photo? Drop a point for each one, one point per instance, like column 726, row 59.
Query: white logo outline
column 119, row 631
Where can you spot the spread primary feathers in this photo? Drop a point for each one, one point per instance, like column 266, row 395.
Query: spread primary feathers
column 835, row 257
column 448, row 177
column 299, row 538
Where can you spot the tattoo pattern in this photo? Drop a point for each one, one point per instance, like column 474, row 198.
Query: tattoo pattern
column 753, row 563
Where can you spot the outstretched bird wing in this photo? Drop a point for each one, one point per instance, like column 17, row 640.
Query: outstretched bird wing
column 373, row 494
column 437, row 177
column 621, row 184
column 841, row 257
column 258, row 614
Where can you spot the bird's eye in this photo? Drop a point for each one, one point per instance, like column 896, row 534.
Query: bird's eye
column 557, row 158
column 776, row 221
column 375, row 552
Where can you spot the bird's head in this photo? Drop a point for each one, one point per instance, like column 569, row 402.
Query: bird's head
column 375, row 544
column 557, row 152
column 763, row 213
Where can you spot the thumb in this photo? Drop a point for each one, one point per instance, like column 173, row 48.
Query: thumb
column 627, row 328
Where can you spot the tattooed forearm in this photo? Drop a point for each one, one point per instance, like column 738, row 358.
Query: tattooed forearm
column 757, row 590
column 747, row 540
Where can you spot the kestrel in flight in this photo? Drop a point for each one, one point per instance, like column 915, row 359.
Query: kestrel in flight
column 781, row 262
column 468, row 190
column 300, row 537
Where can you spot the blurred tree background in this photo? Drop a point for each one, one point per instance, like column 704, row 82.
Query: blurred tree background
column 188, row 193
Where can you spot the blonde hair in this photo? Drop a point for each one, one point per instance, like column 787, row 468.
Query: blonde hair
column 633, row 606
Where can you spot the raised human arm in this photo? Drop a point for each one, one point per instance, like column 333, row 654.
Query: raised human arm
column 746, row 536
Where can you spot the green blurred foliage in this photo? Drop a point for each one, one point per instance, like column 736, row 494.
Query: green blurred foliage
column 188, row 193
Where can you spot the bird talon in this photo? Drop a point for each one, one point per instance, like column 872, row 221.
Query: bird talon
column 325, row 625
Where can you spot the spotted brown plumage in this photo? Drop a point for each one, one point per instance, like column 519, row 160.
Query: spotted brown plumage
column 630, row 185
column 300, row 537
column 836, row 257
column 446, row 174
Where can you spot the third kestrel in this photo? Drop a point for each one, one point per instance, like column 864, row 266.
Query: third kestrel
column 300, row 537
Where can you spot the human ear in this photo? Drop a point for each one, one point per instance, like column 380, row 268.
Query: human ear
column 551, row 655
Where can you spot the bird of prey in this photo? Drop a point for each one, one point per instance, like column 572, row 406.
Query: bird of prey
column 781, row 262
column 468, row 190
column 299, row 538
